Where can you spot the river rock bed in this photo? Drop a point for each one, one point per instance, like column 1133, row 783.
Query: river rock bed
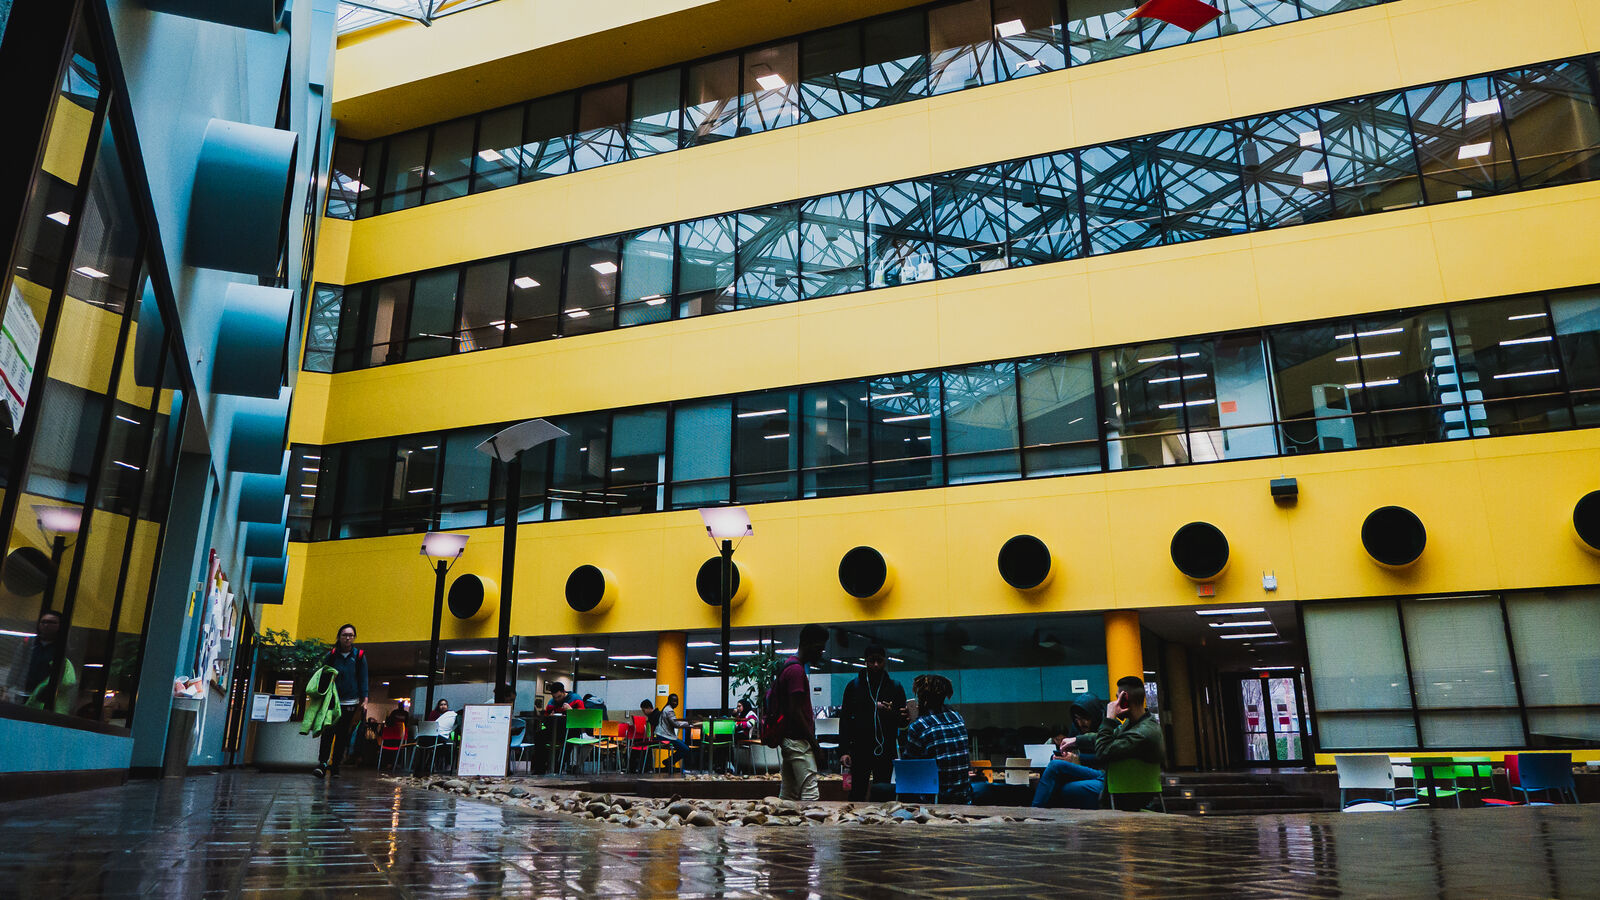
column 678, row 812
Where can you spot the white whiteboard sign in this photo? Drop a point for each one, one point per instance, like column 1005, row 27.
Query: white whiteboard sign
column 485, row 739
column 279, row 709
column 258, row 707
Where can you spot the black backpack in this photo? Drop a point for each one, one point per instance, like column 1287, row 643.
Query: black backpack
column 773, row 707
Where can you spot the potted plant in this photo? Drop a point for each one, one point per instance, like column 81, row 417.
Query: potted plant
column 751, row 677
column 282, row 658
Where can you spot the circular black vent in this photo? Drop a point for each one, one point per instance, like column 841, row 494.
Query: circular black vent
column 708, row 581
column 26, row 572
column 1393, row 536
column 586, row 587
column 1585, row 521
column 1025, row 562
column 466, row 596
column 1200, row 551
column 863, row 573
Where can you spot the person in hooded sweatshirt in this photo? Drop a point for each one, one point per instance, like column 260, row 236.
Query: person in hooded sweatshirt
column 1071, row 780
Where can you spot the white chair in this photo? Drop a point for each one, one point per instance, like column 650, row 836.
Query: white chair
column 427, row 739
column 1039, row 755
column 827, row 735
column 1017, row 769
column 1375, row 772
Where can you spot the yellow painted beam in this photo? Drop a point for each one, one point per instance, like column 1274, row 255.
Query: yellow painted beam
column 672, row 651
column 1124, row 650
column 1497, row 512
column 1534, row 240
column 1332, row 57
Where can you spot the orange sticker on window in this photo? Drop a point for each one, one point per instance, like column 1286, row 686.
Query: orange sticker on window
column 1228, row 406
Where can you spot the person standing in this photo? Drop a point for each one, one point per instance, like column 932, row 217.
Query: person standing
column 798, row 747
column 874, row 710
column 350, row 663
column 34, row 664
column 940, row 734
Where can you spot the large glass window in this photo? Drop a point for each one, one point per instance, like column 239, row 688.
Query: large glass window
column 960, row 46
column 1121, row 206
column 834, row 422
column 1045, row 218
column 535, row 297
column 1557, row 640
column 833, row 249
column 1553, row 123
column 1028, row 37
column 450, row 160
column 711, row 101
column 771, row 88
column 897, row 233
column 499, row 159
column 980, row 423
column 647, row 261
column 1577, row 325
column 969, row 221
column 591, row 295
column 1285, row 169
column 637, row 470
column 702, row 444
column 547, row 137
column 705, row 265
column 766, row 435
column 769, row 247
column 1363, row 699
column 1510, row 370
column 414, row 485
column 1461, row 674
column 464, row 479
column 1201, row 183
column 602, row 118
column 578, row 474
column 483, row 305
column 433, row 315
column 1371, row 164
column 322, row 327
column 1060, row 431
column 402, row 171
column 831, row 73
column 894, row 59
column 654, row 119
column 1097, row 30
column 907, row 436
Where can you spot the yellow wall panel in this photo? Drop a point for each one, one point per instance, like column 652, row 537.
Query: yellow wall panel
column 333, row 251
column 309, row 411
column 1497, row 33
column 1495, row 520
column 1479, row 248
column 69, row 137
column 1148, row 92
column 1354, row 53
column 873, row 147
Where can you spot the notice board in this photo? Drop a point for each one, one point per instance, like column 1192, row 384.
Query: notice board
column 485, row 739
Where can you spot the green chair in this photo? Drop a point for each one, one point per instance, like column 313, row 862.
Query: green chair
column 1441, row 778
column 1134, row 776
column 718, row 733
column 581, row 724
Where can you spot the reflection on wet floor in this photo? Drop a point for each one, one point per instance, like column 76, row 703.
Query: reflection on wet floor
column 257, row 835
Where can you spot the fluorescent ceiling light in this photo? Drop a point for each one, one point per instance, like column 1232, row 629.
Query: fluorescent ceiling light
column 1382, row 355
column 420, row 491
column 1357, row 385
column 1029, row 63
column 912, row 418
column 1230, row 612
column 90, row 272
column 1527, row 374
column 1254, row 624
column 744, row 643
column 309, row 456
column 1315, row 176
column 61, row 216
column 126, row 465
column 771, row 81
column 1189, row 403
column 21, row 634
column 699, row 644
column 1530, row 340
column 792, row 650
column 774, row 437
column 740, row 652
column 469, row 652
column 534, row 659
column 1172, row 378
column 1463, row 194
column 1311, row 138
column 1009, row 29
column 636, row 657
column 1475, row 151
column 416, row 676
column 760, row 412
column 1525, row 316
column 1240, row 637
column 1478, row 108
column 490, row 155
column 577, row 313
column 889, row 396
column 604, row 267
column 502, row 324
column 525, row 282
column 1273, row 668
column 576, row 650
column 1378, row 333
column 618, row 468
column 1169, row 357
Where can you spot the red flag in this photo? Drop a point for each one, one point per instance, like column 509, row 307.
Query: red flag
column 1190, row 15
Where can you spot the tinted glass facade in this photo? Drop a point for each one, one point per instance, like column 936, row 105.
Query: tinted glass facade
column 1520, row 364
column 1534, row 126
column 864, row 65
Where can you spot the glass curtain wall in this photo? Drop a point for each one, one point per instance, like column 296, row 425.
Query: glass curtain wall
column 1455, row 140
column 1519, row 364
column 1457, row 672
column 895, row 58
column 90, row 402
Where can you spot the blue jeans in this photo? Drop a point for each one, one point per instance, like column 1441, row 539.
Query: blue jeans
column 1067, row 785
column 680, row 749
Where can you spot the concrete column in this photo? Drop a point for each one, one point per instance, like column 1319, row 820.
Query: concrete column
column 671, row 667
column 1124, row 655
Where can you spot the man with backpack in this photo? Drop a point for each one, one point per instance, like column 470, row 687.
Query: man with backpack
column 789, row 724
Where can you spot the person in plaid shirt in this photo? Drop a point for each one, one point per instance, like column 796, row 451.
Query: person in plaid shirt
column 939, row 733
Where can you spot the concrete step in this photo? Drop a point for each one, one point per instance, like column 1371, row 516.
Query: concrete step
column 1220, row 789
column 1242, row 803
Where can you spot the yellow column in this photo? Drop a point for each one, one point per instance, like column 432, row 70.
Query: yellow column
column 1124, row 655
column 671, row 667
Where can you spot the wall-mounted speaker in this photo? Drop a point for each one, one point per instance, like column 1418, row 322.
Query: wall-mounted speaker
column 1200, row 551
column 708, row 582
column 1026, row 563
column 472, row 598
column 1393, row 536
column 591, row 589
column 865, row 574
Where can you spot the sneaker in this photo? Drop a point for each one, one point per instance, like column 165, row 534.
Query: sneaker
column 333, row 773
column 319, row 772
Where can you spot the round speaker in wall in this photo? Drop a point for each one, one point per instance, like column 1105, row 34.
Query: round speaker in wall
column 865, row 574
column 1200, row 551
column 472, row 598
column 1586, row 522
column 1026, row 563
column 591, row 589
column 708, row 582
column 1393, row 536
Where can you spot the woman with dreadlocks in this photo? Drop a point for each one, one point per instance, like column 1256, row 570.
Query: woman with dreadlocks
column 940, row 734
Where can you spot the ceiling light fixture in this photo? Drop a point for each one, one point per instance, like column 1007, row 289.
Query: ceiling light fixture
column 1230, row 612
column 490, row 155
column 1011, row 28
column 771, row 81
column 90, row 272
column 61, row 216
column 604, row 267
column 1240, row 637
column 1476, row 108
column 1475, row 151
column 525, row 282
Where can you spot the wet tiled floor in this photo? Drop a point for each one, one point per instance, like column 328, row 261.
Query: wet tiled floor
column 257, row 835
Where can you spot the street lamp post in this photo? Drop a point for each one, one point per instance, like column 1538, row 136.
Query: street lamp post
column 59, row 522
column 507, row 446
column 723, row 524
column 442, row 551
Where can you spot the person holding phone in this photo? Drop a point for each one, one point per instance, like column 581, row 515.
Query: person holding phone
column 874, row 710
column 1071, row 781
column 1129, row 730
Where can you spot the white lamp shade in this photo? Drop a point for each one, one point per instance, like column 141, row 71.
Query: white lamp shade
column 442, row 545
column 508, row 442
column 59, row 519
column 727, row 522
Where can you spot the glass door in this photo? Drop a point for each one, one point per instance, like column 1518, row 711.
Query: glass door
column 1272, row 722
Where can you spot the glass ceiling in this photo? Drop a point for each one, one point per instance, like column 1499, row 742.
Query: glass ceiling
column 355, row 15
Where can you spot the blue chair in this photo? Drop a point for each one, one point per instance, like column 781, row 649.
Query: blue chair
column 1546, row 772
column 916, row 776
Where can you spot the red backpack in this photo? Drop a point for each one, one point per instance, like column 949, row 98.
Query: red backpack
column 773, row 707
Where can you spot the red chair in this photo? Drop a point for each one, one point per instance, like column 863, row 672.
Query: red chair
column 393, row 739
column 639, row 740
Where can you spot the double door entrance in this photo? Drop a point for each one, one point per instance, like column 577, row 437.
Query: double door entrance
column 1270, row 712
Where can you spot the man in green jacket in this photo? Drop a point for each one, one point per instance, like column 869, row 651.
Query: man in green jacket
column 1129, row 730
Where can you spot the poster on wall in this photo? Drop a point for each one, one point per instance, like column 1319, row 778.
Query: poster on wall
column 485, row 737
column 217, row 626
column 19, row 347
